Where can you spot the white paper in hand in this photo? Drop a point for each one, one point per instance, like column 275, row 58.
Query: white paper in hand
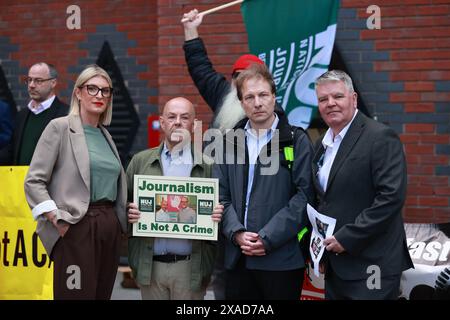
column 323, row 227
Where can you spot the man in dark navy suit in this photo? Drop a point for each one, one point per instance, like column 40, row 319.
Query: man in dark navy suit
column 360, row 178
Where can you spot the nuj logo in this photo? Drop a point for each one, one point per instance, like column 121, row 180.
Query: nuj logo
column 146, row 202
column 205, row 204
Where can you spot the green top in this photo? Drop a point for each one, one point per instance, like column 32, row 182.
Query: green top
column 104, row 166
column 34, row 126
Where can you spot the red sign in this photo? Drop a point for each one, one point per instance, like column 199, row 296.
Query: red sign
column 153, row 131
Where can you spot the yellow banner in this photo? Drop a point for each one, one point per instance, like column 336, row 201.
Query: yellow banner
column 25, row 269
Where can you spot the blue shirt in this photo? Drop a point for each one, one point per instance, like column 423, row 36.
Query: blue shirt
column 254, row 145
column 175, row 164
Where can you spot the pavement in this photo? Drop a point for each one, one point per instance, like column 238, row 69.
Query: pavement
column 121, row 293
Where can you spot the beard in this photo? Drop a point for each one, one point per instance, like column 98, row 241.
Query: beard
column 230, row 112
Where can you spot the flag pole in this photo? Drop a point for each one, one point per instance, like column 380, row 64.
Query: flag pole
column 223, row 6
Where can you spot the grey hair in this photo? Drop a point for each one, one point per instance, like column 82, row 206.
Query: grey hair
column 53, row 72
column 51, row 69
column 336, row 75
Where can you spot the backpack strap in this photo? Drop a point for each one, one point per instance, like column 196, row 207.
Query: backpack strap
column 289, row 155
column 289, row 149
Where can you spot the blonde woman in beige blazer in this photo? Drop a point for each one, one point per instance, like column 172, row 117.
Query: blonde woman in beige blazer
column 76, row 188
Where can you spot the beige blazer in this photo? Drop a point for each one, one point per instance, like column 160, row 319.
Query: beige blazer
column 59, row 178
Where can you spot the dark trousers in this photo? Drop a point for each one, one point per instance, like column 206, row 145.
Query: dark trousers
column 87, row 257
column 245, row 284
column 339, row 289
column 219, row 273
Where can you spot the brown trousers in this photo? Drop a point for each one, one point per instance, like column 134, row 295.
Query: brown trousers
column 87, row 257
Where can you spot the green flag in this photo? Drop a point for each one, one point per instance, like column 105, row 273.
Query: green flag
column 295, row 39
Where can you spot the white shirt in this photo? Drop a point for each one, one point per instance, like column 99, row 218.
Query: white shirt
column 331, row 147
column 41, row 107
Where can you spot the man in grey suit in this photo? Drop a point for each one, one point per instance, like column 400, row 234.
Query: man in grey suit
column 360, row 178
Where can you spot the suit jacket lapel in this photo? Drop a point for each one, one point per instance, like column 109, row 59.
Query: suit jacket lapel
column 315, row 165
column 79, row 147
column 352, row 135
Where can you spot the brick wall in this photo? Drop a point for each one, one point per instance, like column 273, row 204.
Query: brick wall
column 225, row 37
column 402, row 71
column 31, row 31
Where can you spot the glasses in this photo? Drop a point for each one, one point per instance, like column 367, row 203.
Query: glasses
column 38, row 81
column 93, row 90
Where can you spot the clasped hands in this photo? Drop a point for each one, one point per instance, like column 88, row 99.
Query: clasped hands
column 250, row 243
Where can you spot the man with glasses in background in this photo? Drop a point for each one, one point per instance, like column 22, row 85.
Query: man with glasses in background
column 42, row 108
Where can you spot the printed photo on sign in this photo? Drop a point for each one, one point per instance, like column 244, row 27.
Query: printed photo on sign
column 316, row 246
column 175, row 207
column 321, row 228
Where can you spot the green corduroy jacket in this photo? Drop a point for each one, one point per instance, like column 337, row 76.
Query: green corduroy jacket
column 140, row 249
